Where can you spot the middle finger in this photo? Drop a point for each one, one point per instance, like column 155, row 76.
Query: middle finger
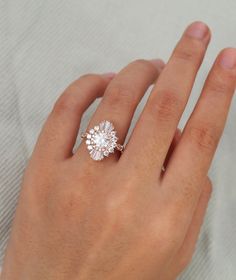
column 154, row 131
column 121, row 99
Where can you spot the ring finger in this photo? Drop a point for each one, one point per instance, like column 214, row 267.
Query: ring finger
column 121, row 99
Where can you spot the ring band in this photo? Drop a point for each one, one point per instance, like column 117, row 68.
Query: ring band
column 102, row 140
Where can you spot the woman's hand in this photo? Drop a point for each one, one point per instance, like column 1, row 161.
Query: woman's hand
column 123, row 217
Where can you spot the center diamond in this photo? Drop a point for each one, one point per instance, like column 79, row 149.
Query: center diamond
column 101, row 140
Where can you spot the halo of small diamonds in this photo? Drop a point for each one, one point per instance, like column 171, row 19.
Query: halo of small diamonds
column 101, row 140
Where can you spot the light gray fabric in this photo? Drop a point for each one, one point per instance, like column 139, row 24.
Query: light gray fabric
column 47, row 44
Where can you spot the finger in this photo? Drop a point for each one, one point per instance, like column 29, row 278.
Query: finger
column 158, row 122
column 173, row 145
column 185, row 253
column 122, row 97
column 191, row 160
column 59, row 133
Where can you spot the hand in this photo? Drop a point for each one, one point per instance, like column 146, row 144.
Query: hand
column 123, row 217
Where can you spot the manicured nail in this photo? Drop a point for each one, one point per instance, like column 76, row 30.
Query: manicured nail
column 197, row 30
column 228, row 58
column 158, row 63
column 109, row 75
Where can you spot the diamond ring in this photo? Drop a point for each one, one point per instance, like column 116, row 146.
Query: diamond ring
column 102, row 140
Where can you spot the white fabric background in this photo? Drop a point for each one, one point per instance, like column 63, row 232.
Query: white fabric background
column 46, row 44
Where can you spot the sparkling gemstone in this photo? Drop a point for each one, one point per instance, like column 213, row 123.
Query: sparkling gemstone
column 96, row 155
column 101, row 139
column 108, row 127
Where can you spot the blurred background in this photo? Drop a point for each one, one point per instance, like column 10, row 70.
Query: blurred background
column 46, row 44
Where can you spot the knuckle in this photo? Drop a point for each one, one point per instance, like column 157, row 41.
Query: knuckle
column 69, row 99
column 143, row 64
column 64, row 103
column 189, row 52
column 94, row 79
column 69, row 203
column 186, row 192
column 185, row 54
column 121, row 217
column 170, row 240
column 89, row 76
column 217, row 85
column 76, row 85
column 117, row 201
column 120, row 207
column 120, row 96
column 164, row 232
column 166, row 106
column 208, row 188
column 204, row 137
column 185, row 260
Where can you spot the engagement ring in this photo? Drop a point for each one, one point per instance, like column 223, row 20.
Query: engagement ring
column 102, row 140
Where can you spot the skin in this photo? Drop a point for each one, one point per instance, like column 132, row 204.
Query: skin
column 124, row 217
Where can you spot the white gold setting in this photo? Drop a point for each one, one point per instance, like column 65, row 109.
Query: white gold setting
column 102, row 140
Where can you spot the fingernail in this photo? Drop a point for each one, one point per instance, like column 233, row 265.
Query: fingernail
column 158, row 63
column 228, row 58
column 109, row 75
column 197, row 30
